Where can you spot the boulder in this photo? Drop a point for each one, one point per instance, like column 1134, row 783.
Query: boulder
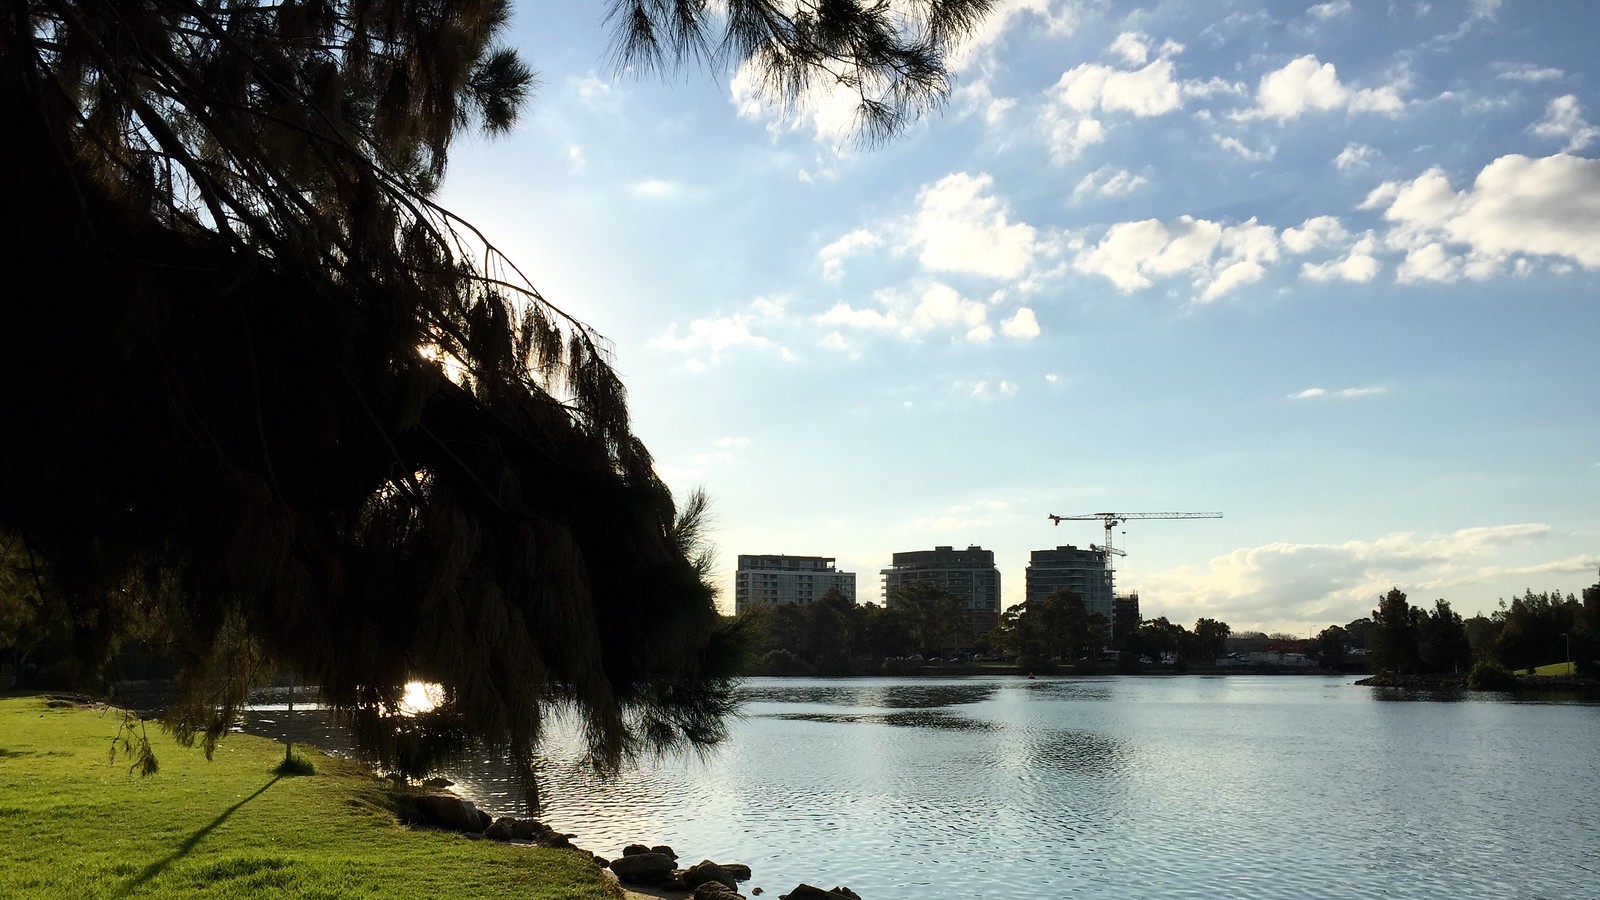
column 452, row 812
column 500, row 830
column 643, row 868
column 664, row 850
column 808, row 892
column 706, row 870
column 636, row 849
column 438, row 782
column 739, row 871
column 715, row 890
column 484, row 820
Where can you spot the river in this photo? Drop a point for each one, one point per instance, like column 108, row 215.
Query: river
column 1016, row 789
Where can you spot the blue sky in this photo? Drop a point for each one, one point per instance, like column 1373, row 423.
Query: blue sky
column 1331, row 269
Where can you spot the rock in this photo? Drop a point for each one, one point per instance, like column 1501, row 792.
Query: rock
column 706, row 870
column 756, row 892
column 438, row 782
column 452, row 812
column 527, row 829
column 484, row 820
column 664, row 850
column 808, row 892
column 600, row 861
column 643, row 868
column 636, row 849
column 500, row 830
column 716, row 890
column 739, row 871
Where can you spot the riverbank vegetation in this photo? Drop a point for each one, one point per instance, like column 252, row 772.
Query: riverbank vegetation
column 75, row 822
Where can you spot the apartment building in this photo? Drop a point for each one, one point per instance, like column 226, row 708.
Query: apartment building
column 776, row 580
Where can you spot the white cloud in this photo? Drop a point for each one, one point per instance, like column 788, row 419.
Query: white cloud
column 938, row 307
column 1290, row 586
column 1563, row 120
column 1133, row 47
column 1320, row 231
column 960, row 227
column 1359, row 265
column 1237, row 147
column 1517, row 207
column 1107, row 181
column 1069, row 135
column 1355, row 156
column 1331, row 10
column 1306, row 85
column 704, row 340
column 1217, row 257
column 1022, row 325
column 833, row 255
column 1526, row 73
column 1346, row 393
column 657, row 188
column 1145, row 92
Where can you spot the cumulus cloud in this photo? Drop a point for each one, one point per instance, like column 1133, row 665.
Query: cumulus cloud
column 1516, row 207
column 1290, row 586
column 1355, row 156
column 961, row 227
column 833, row 255
column 1307, row 85
column 1107, row 181
column 1088, row 92
column 1323, row 12
column 1320, row 231
column 1217, row 257
column 1358, row 265
column 1238, row 148
column 1022, row 325
column 1563, row 120
column 704, row 340
column 937, row 307
column 830, row 111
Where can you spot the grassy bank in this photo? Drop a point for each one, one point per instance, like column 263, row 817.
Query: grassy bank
column 73, row 825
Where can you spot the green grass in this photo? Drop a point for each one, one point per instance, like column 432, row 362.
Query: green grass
column 75, row 825
column 1560, row 668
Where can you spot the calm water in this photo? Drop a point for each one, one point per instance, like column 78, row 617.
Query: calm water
column 1117, row 787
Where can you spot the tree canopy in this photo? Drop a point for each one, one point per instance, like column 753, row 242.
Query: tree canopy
column 269, row 403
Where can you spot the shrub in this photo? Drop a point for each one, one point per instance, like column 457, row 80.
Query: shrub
column 1489, row 676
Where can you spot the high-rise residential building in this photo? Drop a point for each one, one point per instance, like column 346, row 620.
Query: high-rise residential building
column 1125, row 614
column 1070, row 569
column 787, row 580
column 969, row 574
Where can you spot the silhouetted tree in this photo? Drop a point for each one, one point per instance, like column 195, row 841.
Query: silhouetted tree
column 1328, row 647
column 271, row 401
column 1210, row 638
column 932, row 617
column 1534, row 628
column 1393, row 643
column 1443, row 645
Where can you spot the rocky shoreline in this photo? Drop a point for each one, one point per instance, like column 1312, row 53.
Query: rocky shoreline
column 653, row 869
column 1459, row 682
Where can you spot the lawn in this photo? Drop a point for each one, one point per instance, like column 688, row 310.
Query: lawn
column 74, row 824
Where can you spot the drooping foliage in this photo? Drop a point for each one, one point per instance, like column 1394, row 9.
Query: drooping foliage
column 268, row 402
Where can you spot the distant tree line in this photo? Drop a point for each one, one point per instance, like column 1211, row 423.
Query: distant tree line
column 1532, row 630
column 833, row 636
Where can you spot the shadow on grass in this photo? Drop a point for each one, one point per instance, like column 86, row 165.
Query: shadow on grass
column 159, row 866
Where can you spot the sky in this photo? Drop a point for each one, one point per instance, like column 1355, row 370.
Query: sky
column 1332, row 270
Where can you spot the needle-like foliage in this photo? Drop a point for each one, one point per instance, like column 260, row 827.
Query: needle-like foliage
column 266, row 400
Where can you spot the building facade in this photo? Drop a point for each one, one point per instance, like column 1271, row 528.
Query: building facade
column 969, row 574
column 787, row 581
column 1068, row 568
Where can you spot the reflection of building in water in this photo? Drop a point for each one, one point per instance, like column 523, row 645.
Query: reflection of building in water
column 969, row 574
column 787, row 581
column 1082, row 572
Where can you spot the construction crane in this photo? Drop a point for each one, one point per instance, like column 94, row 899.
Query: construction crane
column 1112, row 520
